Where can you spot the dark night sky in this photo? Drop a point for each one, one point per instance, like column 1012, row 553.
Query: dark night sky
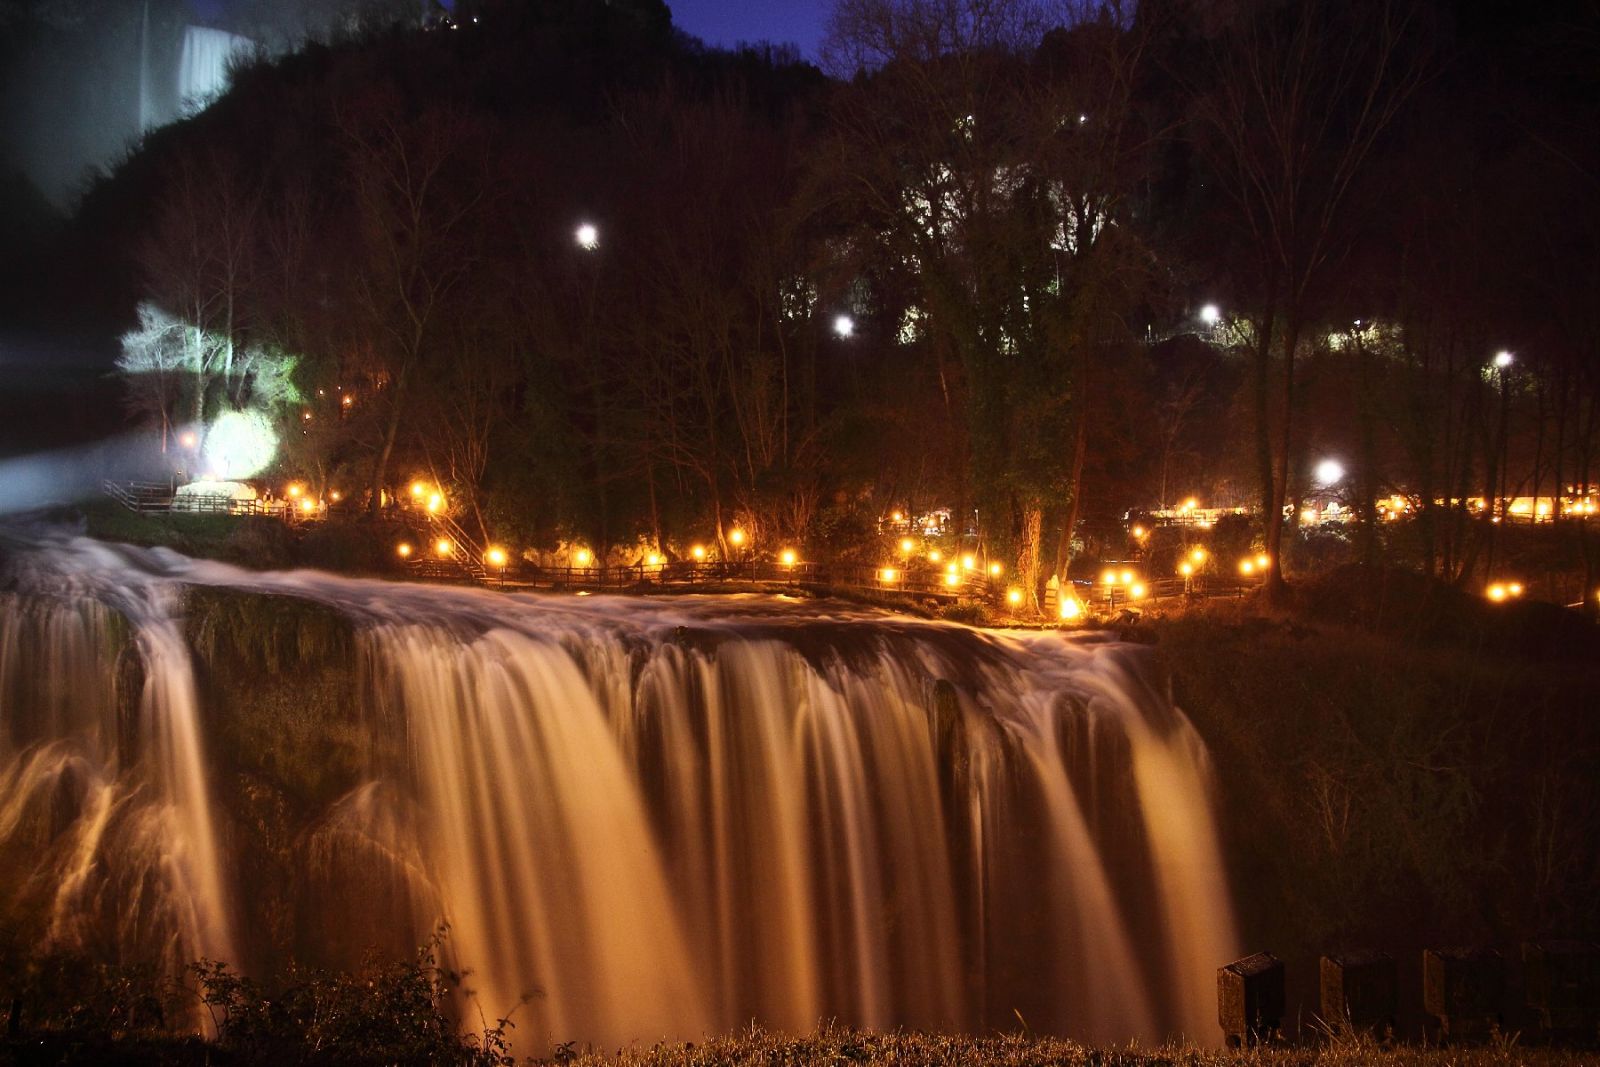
column 719, row 22
column 727, row 22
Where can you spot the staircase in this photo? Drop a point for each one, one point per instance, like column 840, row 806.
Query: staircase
column 465, row 559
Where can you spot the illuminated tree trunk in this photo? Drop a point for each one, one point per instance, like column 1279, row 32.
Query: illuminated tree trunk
column 1079, row 448
column 1028, row 551
column 1280, row 479
column 1271, row 506
column 1367, row 476
column 380, row 469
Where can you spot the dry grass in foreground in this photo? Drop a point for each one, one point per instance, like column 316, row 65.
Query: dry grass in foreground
column 836, row 1047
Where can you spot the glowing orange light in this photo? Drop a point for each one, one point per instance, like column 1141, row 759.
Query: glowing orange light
column 1247, row 567
column 581, row 557
column 495, row 557
column 1014, row 595
column 418, row 488
column 1186, row 568
column 443, row 546
column 1108, row 577
column 952, row 578
column 736, row 537
column 906, row 545
column 1070, row 607
column 1137, row 590
column 294, row 490
column 934, row 555
column 308, row 505
column 403, row 549
column 788, row 557
column 1496, row 592
column 970, row 562
column 698, row 552
column 888, row 574
column 1127, row 577
column 995, row 570
column 898, row 517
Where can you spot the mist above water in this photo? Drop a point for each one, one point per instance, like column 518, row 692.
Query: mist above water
column 651, row 818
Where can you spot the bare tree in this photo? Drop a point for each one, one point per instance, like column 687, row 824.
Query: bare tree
column 416, row 222
column 1299, row 95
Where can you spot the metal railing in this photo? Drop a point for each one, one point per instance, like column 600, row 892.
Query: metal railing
column 688, row 573
column 140, row 497
column 467, row 553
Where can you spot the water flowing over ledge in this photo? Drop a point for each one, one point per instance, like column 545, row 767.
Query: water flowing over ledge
column 652, row 818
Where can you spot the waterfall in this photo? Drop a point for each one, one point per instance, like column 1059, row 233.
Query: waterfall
column 147, row 110
column 660, row 818
column 103, row 780
column 203, row 66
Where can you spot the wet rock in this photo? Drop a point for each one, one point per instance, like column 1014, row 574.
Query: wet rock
column 1463, row 989
column 1562, row 980
column 1360, row 990
column 1250, row 999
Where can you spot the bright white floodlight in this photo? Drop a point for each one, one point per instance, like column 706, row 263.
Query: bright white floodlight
column 1210, row 314
column 588, row 237
column 239, row 444
column 1330, row 472
column 844, row 326
column 1503, row 359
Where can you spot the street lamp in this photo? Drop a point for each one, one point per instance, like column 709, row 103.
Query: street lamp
column 1329, row 472
column 496, row 557
column 588, row 237
column 844, row 326
column 1502, row 362
column 1211, row 314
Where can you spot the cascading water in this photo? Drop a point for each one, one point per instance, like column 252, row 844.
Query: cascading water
column 203, row 65
column 109, row 796
column 650, row 818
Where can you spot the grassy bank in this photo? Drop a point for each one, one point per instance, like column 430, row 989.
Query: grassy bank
column 830, row 1047
column 1397, row 775
column 834, row 1046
